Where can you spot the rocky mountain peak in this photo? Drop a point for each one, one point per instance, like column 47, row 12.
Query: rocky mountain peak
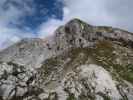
column 80, row 34
column 80, row 62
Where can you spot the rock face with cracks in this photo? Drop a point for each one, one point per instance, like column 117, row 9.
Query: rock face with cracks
column 80, row 62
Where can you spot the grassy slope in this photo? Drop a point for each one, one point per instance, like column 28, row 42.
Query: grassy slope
column 105, row 54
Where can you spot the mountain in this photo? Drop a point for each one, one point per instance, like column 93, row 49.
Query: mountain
column 80, row 62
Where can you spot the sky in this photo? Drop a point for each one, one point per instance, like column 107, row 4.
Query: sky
column 40, row 18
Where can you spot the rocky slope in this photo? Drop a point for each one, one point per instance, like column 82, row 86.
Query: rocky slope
column 80, row 62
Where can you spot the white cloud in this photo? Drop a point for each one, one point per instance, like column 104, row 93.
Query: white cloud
column 92, row 11
column 49, row 27
column 10, row 35
column 10, row 13
column 117, row 13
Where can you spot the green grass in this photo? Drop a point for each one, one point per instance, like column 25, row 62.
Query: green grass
column 104, row 49
column 71, row 97
column 101, row 55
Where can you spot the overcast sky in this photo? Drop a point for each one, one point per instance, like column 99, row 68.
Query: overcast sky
column 39, row 18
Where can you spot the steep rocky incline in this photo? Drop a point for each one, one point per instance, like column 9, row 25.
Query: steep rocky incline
column 80, row 62
column 29, row 52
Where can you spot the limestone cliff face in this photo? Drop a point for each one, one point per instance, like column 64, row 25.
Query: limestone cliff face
column 80, row 62
column 79, row 34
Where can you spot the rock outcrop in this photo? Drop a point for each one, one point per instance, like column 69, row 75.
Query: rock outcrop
column 80, row 62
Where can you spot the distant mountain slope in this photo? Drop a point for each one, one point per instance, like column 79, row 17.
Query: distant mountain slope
column 80, row 62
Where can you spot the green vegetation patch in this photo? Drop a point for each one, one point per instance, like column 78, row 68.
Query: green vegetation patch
column 102, row 54
column 105, row 57
column 71, row 97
